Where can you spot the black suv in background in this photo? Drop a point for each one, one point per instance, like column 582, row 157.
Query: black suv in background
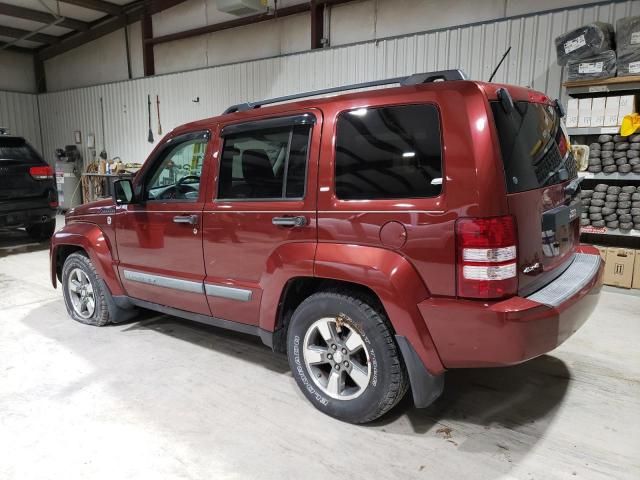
column 28, row 196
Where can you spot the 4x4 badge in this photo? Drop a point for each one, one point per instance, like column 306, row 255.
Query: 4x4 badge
column 532, row 268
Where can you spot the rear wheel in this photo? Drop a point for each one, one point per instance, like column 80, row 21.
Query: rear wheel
column 83, row 293
column 344, row 358
column 42, row 231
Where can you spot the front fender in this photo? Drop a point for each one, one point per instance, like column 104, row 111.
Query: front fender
column 92, row 240
column 396, row 283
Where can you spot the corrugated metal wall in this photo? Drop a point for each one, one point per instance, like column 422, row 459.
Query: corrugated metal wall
column 476, row 49
column 19, row 113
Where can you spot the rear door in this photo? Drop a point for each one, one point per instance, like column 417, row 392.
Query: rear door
column 18, row 182
column 538, row 166
column 260, row 221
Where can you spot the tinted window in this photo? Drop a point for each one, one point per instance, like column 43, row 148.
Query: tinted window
column 266, row 163
column 15, row 148
column 529, row 138
column 389, row 152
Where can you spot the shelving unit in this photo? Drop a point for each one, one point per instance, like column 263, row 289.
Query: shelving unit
column 601, row 88
column 605, row 177
column 592, row 130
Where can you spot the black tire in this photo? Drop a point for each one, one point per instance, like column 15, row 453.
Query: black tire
column 388, row 381
column 42, row 231
column 100, row 316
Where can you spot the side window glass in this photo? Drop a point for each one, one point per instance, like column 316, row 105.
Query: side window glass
column 177, row 175
column 389, row 152
column 264, row 164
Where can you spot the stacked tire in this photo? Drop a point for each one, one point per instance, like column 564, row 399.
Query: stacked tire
column 615, row 153
column 611, row 206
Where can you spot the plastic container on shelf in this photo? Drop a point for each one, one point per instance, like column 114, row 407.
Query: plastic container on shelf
column 584, row 42
column 602, row 65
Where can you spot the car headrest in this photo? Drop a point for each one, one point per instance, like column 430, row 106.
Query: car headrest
column 256, row 166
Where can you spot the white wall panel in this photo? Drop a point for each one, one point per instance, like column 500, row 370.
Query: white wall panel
column 476, row 49
column 16, row 72
column 19, row 113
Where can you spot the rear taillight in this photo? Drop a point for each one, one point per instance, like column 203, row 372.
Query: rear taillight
column 563, row 146
column 487, row 257
column 41, row 173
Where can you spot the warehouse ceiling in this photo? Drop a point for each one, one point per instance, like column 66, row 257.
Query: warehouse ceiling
column 34, row 24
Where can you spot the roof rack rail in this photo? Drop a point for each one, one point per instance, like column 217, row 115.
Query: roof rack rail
column 415, row 79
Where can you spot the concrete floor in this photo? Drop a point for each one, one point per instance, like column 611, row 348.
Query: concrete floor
column 164, row 398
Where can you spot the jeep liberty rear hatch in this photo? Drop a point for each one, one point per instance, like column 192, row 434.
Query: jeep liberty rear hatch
column 538, row 165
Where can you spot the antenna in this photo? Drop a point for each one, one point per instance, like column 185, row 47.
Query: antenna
column 500, row 63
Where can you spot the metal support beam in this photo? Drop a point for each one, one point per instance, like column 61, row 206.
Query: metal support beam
column 38, row 16
column 317, row 24
column 41, row 80
column 35, row 37
column 241, row 22
column 132, row 13
column 98, row 5
column 148, row 61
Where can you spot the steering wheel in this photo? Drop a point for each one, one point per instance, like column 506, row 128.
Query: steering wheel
column 182, row 181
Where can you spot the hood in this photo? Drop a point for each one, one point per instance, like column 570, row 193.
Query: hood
column 105, row 206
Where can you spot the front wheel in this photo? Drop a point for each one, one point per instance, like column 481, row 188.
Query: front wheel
column 344, row 358
column 83, row 293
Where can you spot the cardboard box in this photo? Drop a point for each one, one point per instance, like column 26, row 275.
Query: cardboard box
column 603, row 252
column 627, row 106
column 584, row 112
column 618, row 270
column 572, row 113
column 611, row 112
column 597, row 111
column 636, row 272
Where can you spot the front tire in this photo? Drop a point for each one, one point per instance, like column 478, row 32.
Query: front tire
column 83, row 293
column 344, row 358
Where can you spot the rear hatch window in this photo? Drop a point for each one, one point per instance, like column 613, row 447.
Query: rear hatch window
column 17, row 157
column 16, row 150
column 533, row 144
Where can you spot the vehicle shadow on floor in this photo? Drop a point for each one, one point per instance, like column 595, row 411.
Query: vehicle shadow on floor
column 17, row 241
column 519, row 401
column 521, row 398
column 227, row 342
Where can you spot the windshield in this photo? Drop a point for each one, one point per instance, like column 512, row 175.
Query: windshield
column 531, row 140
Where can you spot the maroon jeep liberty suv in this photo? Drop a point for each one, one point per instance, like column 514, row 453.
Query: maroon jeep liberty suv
column 377, row 238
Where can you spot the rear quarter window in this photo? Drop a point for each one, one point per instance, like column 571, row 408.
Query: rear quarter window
column 388, row 153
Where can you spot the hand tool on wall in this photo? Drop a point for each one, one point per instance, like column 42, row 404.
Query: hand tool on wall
column 150, row 137
column 158, row 110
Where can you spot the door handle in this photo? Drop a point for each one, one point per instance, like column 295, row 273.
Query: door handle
column 299, row 221
column 190, row 219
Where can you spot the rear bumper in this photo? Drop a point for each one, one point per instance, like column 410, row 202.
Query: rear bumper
column 27, row 216
column 478, row 334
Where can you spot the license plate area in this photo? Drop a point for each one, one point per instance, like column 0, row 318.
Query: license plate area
column 561, row 216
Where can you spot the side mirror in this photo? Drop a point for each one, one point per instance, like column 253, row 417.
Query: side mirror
column 123, row 192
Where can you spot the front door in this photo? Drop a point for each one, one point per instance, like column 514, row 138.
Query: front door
column 160, row 238
column 260, row 224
